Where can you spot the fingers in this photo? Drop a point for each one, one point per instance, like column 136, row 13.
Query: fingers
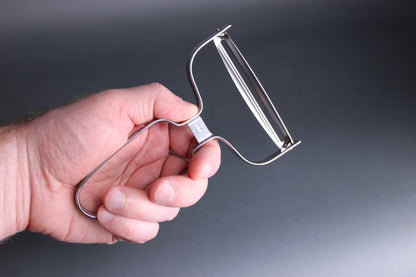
column 186, row 190
column 174, row 165
column 133, row 214
column 180, row 139
column 135, row 203
column 177, row 191
column 129, row 214
column 127, row 228
column 206, row 161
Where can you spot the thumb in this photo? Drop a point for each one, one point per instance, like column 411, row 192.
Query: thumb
column 154, row 101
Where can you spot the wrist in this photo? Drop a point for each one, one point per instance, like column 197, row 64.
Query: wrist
column 15, row 193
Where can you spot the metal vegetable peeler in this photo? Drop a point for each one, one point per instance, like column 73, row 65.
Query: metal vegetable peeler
column 280, row 135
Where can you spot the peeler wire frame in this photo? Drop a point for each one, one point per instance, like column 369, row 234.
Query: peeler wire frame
column 197, row 125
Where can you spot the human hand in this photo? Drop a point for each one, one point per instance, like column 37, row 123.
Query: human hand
column 144, row 183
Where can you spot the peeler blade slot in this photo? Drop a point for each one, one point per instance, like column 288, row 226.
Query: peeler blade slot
column 248, row 95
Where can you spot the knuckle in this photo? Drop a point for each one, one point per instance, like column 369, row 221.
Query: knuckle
column 157, row 87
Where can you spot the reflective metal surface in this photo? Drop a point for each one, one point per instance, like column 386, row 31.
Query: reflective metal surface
column 197, row 125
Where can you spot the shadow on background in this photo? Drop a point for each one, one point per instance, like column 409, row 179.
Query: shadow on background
column 343, row 78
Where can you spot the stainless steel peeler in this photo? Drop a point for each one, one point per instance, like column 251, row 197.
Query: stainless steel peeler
column 280, row 137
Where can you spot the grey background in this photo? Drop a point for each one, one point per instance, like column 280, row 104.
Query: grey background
column 343, row 75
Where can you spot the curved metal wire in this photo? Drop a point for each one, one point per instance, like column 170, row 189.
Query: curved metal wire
column 196, row 123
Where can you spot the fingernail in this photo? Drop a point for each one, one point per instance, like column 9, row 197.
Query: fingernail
column 115, row 200
column 165, row 193
column 104, row 216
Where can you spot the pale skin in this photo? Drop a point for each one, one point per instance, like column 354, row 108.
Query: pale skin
column 42, row 161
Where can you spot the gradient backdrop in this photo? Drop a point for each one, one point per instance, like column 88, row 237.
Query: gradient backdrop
column 343, row 75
